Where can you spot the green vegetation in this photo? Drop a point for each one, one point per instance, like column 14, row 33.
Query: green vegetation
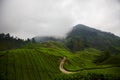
column 32, row 62
column 82, row 59
column 28, row 64
column 83, row 63
column 88, row 53
column 40, row 61
column 8, row 42
column 88, row 75
column 113, row 60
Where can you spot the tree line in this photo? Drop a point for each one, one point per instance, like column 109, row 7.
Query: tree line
column 9, row 42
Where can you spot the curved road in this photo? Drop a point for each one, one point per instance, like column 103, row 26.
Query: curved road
column 62, row 68
column 71, row 72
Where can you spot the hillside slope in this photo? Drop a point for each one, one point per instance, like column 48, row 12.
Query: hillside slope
column 82, row 36
column 33, row 62
column 40, row 61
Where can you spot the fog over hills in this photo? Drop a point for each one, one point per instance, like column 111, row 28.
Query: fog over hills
column 29, row 18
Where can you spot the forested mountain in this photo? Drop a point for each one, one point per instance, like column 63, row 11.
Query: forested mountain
column 82, row 36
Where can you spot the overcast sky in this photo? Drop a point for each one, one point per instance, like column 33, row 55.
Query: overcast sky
column 29, row 18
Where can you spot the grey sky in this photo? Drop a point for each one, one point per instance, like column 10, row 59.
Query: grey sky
column 29, row 18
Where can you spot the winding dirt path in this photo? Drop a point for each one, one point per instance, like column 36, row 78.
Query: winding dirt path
column 62, row 68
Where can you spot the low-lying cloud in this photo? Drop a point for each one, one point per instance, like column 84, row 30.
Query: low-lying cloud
column 29, row 18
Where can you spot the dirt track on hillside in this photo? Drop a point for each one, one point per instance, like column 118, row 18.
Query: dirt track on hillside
column 63, row 70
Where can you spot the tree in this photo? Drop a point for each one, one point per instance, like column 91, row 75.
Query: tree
column 28, row 40
column 33, row 40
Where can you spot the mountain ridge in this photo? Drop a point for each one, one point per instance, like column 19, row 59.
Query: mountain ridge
column 84, row 36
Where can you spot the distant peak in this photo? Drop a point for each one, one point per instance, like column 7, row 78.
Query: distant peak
column 84, row 27
column 81, row 26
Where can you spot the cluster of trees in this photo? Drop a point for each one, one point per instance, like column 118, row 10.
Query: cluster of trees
column 104, row 56
column 87, row 76
column 75, row 44
column 9, row 42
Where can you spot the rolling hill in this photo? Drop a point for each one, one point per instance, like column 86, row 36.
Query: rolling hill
column 40, row 61
column 33, row 62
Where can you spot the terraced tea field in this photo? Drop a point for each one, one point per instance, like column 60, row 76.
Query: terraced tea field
column 28, row 65
column 42, row 61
